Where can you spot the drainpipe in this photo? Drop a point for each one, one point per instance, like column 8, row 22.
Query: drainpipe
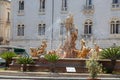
column 52, row 23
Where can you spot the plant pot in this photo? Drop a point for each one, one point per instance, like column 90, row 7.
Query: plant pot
column 52, row 67
column 30, row 67
column 23, row 67
column 110, row 67
column 8, row 62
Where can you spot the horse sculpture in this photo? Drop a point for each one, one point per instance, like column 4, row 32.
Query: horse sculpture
column 84, row 51
column 35, row 52
column 95, row 51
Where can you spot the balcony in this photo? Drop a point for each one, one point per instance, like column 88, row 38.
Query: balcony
column 64, row 10
column 42, row 11
column 86, row 36
column 115, row 36
column 21, row 12
column 88, row 9
column 115, row 6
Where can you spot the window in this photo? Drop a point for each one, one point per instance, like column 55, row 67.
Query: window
column 115, row 27
column 20, row 30
column 42, row 5
column 115, row 4
column 8, row 16
column 115, row 1
column 88, row 2
column 64, row 5
column 88, row 27
column 41, row 29
column 21, row 5
column 62, row 29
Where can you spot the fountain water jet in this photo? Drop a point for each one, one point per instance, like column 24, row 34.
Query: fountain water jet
column 72, row 34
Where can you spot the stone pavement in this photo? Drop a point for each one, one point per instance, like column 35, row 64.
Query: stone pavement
column 15, row 75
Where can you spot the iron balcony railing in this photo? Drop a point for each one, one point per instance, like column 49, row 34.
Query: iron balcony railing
column 115, row 5
column 42, row 10
column 64, row 9
column 89, row 7
column 86, row 35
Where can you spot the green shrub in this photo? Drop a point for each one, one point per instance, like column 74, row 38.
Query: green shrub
column 93, row 66
column 8, row 57
column 110, row 53
column 25, row 60
column 51, row 57
column 113, row 54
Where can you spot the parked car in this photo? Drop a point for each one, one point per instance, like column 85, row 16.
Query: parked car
column 18, row 50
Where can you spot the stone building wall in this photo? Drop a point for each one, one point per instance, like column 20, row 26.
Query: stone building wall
column 100, row 13
column 4, row 21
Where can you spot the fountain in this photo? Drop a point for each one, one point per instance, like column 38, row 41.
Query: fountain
column 68, row 49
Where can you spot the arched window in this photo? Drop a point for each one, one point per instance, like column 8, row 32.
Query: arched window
column 41, row 29
column 20, row 31
column 115, row 27
column 21, row 5
column 88, row 27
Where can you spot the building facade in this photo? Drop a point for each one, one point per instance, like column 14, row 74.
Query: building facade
column 4, row 21
column 98, row 21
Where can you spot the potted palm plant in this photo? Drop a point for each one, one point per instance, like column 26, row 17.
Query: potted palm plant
column 8, row 55
column 93, row 68
column 112, row 54
column 24, row 61
column 52, row 58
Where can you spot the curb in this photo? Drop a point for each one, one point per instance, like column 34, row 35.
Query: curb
column 53, row 76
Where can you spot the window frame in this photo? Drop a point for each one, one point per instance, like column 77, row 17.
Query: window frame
column 88, row 27
column 62, row 29
column 42, row 6
column 41, row 29
column 115, row 27
column 64, row 5
column 21, row 5
column 20, row 30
